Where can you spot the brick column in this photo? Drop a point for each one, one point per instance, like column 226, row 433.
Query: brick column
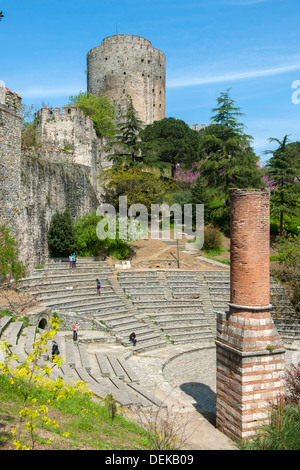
column 250, row 353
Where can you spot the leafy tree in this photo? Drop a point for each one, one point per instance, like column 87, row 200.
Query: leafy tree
column 169, row 142
column 28, row 130
column 100, row 110
column 127, row 144
column 228, row 158
column 283, row 169
column 10, row 267
column 287, row 270
column 140, row 187
column 61, row 234
column 87, row 242
column 201, row 194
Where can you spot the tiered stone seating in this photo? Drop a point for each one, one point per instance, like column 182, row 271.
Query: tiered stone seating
column 284, row 316
column 65, row 289
column 103, row 373
column 171, row 300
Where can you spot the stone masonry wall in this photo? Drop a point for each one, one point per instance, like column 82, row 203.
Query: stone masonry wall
column 47, row 187
column 10, row 154
column 68, row 132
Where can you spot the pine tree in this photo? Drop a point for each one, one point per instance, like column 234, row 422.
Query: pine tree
column 228, row 158
column 127, row 144
column 226, row 112
column 283, row 169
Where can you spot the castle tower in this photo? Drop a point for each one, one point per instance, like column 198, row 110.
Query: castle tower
column 128, row 65
column 250, row 353
column 10, row 156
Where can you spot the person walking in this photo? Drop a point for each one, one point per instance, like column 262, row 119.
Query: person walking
column 75, row 330
column 74, row 260
column 55, row 350
column 98, row 286
column 71, row 261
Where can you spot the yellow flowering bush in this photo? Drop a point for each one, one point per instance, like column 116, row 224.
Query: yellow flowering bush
column 30, row 376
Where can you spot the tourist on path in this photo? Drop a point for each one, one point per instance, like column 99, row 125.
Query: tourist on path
column 98, row 286
column 55, row 350
column 74, row 260
column 75, row 330
column 71, row 261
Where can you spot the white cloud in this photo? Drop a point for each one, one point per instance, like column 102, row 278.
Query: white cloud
column 187, row 82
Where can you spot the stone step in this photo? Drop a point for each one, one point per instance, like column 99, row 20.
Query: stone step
column 149, row 297
column 4, row 322
column 74, row 293
column 185, row 330
column 179, row 316
column 137, row 275
column 142, row 283
column 54, row 279
column 207, row 340
column 183, row 322
column 12, row 332
column 149, row 345
column 168, row 303
column 116, row 315
column 71, row 271
column 82, row 300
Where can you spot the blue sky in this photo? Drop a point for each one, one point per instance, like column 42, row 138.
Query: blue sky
column 252, row 46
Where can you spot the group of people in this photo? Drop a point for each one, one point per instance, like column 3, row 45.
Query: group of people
column 55, row 349
column 72, row 260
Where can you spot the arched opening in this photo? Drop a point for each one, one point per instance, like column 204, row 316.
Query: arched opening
column 42, row 324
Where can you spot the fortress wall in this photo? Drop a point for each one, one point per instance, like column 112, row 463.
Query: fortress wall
column 125, row 65
column 47, row 187
column 69, row 132
column 10, row 154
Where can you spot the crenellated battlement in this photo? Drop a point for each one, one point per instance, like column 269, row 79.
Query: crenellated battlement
column 130, row 39
column 67, row 131
column 10, row 102
column 67, row 111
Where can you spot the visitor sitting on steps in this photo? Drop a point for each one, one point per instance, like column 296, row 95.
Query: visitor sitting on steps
column 132, row 338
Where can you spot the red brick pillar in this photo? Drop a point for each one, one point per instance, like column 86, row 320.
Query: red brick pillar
column 250, row 353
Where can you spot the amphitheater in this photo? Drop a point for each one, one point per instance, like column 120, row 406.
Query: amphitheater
column 172, row 311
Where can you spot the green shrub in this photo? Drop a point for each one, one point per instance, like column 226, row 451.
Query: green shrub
column 212, row 240
column 281, row 432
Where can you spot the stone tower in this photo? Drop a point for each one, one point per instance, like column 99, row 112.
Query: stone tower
column 128, row 65
column 10, row 156
column 250, row 352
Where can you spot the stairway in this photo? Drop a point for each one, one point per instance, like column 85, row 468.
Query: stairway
column 65, row 290
column 172, row 301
